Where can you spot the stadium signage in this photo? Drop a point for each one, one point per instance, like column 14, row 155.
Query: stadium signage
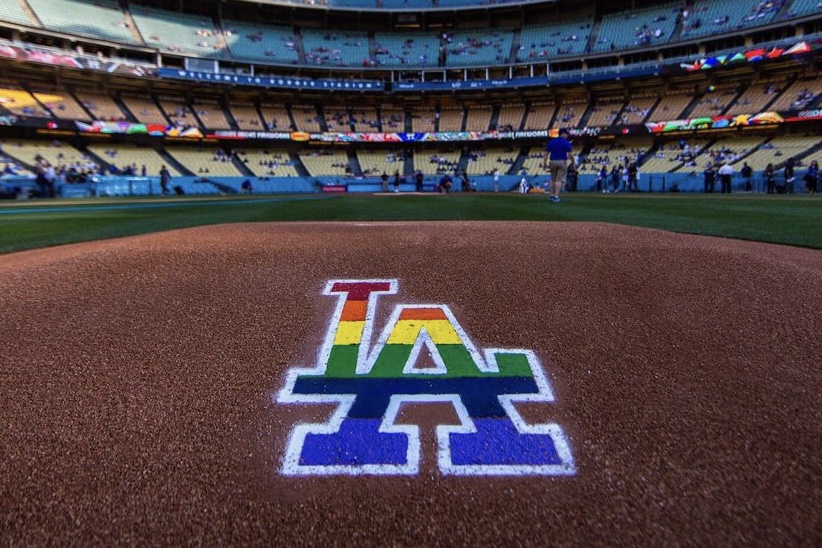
column 423, row 356
column 243, row 135
column 271, row 81
column 471, row 84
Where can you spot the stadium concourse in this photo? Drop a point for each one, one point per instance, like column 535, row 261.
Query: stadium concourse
column 411, row 384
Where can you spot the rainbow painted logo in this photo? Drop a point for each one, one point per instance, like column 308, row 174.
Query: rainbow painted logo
column 371, row 384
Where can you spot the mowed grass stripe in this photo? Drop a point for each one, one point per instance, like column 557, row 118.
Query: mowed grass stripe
column 791, row 220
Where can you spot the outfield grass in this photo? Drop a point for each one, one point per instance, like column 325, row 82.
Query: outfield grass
column 778, row 219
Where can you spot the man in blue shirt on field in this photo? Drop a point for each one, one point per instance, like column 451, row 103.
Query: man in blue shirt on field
column 558, row 157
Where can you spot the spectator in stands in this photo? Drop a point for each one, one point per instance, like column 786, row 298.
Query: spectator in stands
column 812, row 177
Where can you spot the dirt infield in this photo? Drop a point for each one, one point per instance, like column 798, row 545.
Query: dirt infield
column 140, row 376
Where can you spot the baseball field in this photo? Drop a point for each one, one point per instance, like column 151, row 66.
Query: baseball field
column 412, row 370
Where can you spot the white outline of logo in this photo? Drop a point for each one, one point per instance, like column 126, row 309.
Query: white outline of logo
column 365, row 361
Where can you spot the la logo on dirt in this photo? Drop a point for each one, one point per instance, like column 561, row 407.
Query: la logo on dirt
column 370, row 384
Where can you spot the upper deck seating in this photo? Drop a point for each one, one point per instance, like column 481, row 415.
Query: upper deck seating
column 178, row 33
column 267, row 43
column 636, row 29
column 99, row 19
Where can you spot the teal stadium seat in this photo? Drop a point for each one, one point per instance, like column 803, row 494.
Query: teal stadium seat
column 100, row 19
column 418, row 49
column 12, row 12
column 176, row 33
column 637, row 29
column 556, row 40
column 335, row 48
column 267, row 43
column 479, row 47
column 710, row 17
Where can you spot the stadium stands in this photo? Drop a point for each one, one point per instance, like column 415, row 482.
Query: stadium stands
column 637, row 110
column 21, row 102
column 619, row 152
column 540, row 116
column 336, row 49
column 275, row 117
column 325, row 163
column 101, row 107
column 478, row 47
column 99, row 19
column 266, row 43
column 802, row 7
column 798, row 95
column 418, row 49
column 604, row 112
column 637, row 29
column 12, row 11
column 177, row 111
column 246, row 116
column 451, row 119
column 551, row 41
column 756, row 97
column 671, row 106
column 706, row 17
column 268, row 162
column 673, row 154
column 209, row 162
column 484, row 162
column 145, row 110
column 570, row 112
column 437, row 162
column 470, row 51
column 727, row 150
column 777, row 150
column 714, row 102
column 478, row 118
column 60, row 103
column 374, row 163
column 123, row 156
column 306, row 118
column 211, row 114
column 423, row 120
column 392, row 119
column 510, row 117
column 57, row 153
column 178, row 33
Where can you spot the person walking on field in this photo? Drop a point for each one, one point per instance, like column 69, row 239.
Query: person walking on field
column 558, row 156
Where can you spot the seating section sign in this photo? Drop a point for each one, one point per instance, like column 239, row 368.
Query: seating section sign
column 422, row 356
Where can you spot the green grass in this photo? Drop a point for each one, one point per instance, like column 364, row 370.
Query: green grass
column 787, row 220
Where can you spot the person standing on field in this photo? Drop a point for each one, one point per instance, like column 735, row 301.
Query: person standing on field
column 558, row 156
column 165, row 179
